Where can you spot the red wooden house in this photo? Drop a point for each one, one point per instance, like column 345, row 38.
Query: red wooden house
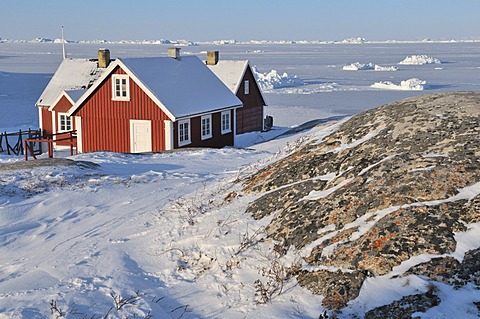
column 238, row 77
column 137, row 105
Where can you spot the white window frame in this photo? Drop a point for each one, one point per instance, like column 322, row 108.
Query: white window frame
column 246, row 85
column 68, row 124
column 125, row 87
column 206, row 126
column 227, row 116
column 184, row 137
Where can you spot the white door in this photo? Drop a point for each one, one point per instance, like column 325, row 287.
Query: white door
column 140, row 136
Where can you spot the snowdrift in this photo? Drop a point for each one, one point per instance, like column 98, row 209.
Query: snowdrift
column 273, row 80
column 357, row 66
column 413, row 84
column 419, row 60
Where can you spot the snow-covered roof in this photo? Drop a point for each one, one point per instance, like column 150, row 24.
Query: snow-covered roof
column 72, row 74
column 184, row 86
column 230, row 72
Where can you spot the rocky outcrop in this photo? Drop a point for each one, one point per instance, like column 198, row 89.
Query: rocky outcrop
column 406, row 306
column 391, row 183
column 450, row 271
column 338, row 287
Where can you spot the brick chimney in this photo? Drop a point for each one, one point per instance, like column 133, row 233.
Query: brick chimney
column 212, row 57
column 174, row 53
column 103, row 58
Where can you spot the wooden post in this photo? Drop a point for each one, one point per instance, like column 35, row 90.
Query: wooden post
column 71, row 143
column 26, row 154
column 28, row 149
column 43, row 135
column 50, row 148
column 6, row 142
column 20, row 139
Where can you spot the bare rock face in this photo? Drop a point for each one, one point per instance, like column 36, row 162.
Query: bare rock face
column 337, row 287
column 388, row 185
column 450, row 271
column 405, row 307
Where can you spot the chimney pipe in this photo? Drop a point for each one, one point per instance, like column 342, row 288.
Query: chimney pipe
column 174, row 53
column 212, row 57
column 103, row 58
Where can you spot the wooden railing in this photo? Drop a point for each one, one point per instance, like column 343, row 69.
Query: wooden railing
column 12, row 143
column 70, row 136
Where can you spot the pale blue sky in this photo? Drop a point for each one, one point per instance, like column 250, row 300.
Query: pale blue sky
column 242, row 20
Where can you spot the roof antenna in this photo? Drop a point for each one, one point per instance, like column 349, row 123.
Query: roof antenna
column 63, row 46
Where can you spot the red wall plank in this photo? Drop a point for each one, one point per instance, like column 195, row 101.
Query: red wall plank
column 47, row 124
column 250, row 116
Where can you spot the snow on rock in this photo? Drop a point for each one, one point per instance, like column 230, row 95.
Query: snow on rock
column 274, row 80
column 357, row 66
column 419, row 60
column 413, row 84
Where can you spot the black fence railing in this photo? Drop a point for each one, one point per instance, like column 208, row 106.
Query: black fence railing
column 13, row 143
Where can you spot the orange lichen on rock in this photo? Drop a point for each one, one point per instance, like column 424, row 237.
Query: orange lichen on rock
column 257, row 179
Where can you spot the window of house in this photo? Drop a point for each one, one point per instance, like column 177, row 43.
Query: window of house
column 184, row 132
column 247, row 87
column 226, row 122
column 206, row 123
column 121, row 87
column 64, row 122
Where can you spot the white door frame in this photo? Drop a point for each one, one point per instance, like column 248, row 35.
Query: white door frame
column 234, row 126
column 132, row 135
column 78, row 128
column 168, row 135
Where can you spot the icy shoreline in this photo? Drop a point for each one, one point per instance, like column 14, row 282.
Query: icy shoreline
column 234, row 42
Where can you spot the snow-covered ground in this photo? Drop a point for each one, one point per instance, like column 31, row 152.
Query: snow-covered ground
column 162, row 229
column 164, row 234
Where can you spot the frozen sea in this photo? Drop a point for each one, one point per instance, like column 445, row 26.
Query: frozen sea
column 81, row 236
column 328, row 90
